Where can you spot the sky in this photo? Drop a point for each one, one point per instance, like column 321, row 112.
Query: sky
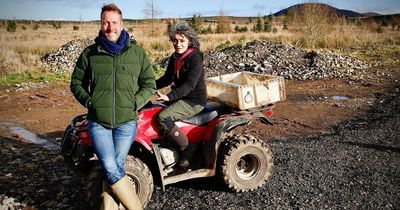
column 134, row 9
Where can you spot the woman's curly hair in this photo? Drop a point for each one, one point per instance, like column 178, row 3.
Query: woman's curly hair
column 185, row 29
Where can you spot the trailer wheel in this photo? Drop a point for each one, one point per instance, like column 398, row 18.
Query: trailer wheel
column 246, row 163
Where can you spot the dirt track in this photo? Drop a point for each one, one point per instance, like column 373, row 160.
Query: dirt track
column 329, row 152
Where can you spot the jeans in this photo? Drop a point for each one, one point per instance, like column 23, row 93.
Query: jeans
column 111, row 146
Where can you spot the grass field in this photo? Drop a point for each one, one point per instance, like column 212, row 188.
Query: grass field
column 20, row 51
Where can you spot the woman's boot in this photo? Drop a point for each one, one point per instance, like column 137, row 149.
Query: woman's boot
column 186, row 149
column 126, row 193
column 187, row 155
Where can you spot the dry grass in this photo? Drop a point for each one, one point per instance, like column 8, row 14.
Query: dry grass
column 21, row 51
column 24, row 48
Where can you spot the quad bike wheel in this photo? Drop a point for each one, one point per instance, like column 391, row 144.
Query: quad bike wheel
column 245, row 163
column 138, row 173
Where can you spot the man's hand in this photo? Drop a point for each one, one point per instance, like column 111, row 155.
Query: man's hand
column 162, row 97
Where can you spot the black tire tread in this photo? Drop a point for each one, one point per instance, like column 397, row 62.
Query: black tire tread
column 94, row 180
column 231, row 144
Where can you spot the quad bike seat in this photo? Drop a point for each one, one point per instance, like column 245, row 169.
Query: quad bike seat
column 212, row 110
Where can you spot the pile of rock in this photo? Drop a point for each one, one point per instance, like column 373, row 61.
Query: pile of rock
column 20, row 87
column 283, row 60
column 257, row 56
column 63, row 59
column 10, row 203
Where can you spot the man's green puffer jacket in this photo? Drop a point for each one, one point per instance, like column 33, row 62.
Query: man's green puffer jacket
column 113, row 87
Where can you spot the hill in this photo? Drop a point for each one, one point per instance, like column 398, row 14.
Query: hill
column 340, row 12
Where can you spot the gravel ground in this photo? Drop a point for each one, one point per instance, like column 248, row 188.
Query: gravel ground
column 355, row 165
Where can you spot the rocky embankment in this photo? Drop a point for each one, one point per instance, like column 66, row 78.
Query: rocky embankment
column 283, row 60
column 257, row 56
column 64, row 58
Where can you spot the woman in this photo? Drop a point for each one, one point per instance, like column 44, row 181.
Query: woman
column 185, row 74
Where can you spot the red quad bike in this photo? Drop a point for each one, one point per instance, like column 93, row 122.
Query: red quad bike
column 243, row 162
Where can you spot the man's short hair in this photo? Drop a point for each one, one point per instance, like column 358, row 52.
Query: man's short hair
column 110, row 7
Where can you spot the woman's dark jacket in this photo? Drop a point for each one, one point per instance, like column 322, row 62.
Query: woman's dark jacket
column 190, row 86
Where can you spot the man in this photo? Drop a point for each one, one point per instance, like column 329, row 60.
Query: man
column 113, row 78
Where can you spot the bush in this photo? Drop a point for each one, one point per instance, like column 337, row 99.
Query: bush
column 242, row 40
column 223, row 46
column 379, row 29
column 207, row 30
column 23, row 27
column 268, row 28
column 239, row 29
column 285, row 24
column 259, row 25
column 35, row 27
column 12, row 26
column 57, row 25
column 75, row 28
column 169, row 25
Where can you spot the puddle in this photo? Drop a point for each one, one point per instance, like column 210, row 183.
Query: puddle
column 340, row 98
column 30, row 137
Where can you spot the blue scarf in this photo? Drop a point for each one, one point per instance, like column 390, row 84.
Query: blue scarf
column 113, row 47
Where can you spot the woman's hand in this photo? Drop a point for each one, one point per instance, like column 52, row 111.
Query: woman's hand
column 162, row 97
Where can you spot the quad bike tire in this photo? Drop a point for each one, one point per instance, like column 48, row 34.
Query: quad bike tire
column 245, row 163
column 138, row 173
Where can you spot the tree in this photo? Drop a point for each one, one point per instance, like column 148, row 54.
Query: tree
column 12, row 26
column 259, row 27
column 268, row 25
column 169, row 25
column 271, row 17
column 196, row 22
column 396, row 22
column 385, row 21
column 151, row 11
column 315, row 21
column 223, row 24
